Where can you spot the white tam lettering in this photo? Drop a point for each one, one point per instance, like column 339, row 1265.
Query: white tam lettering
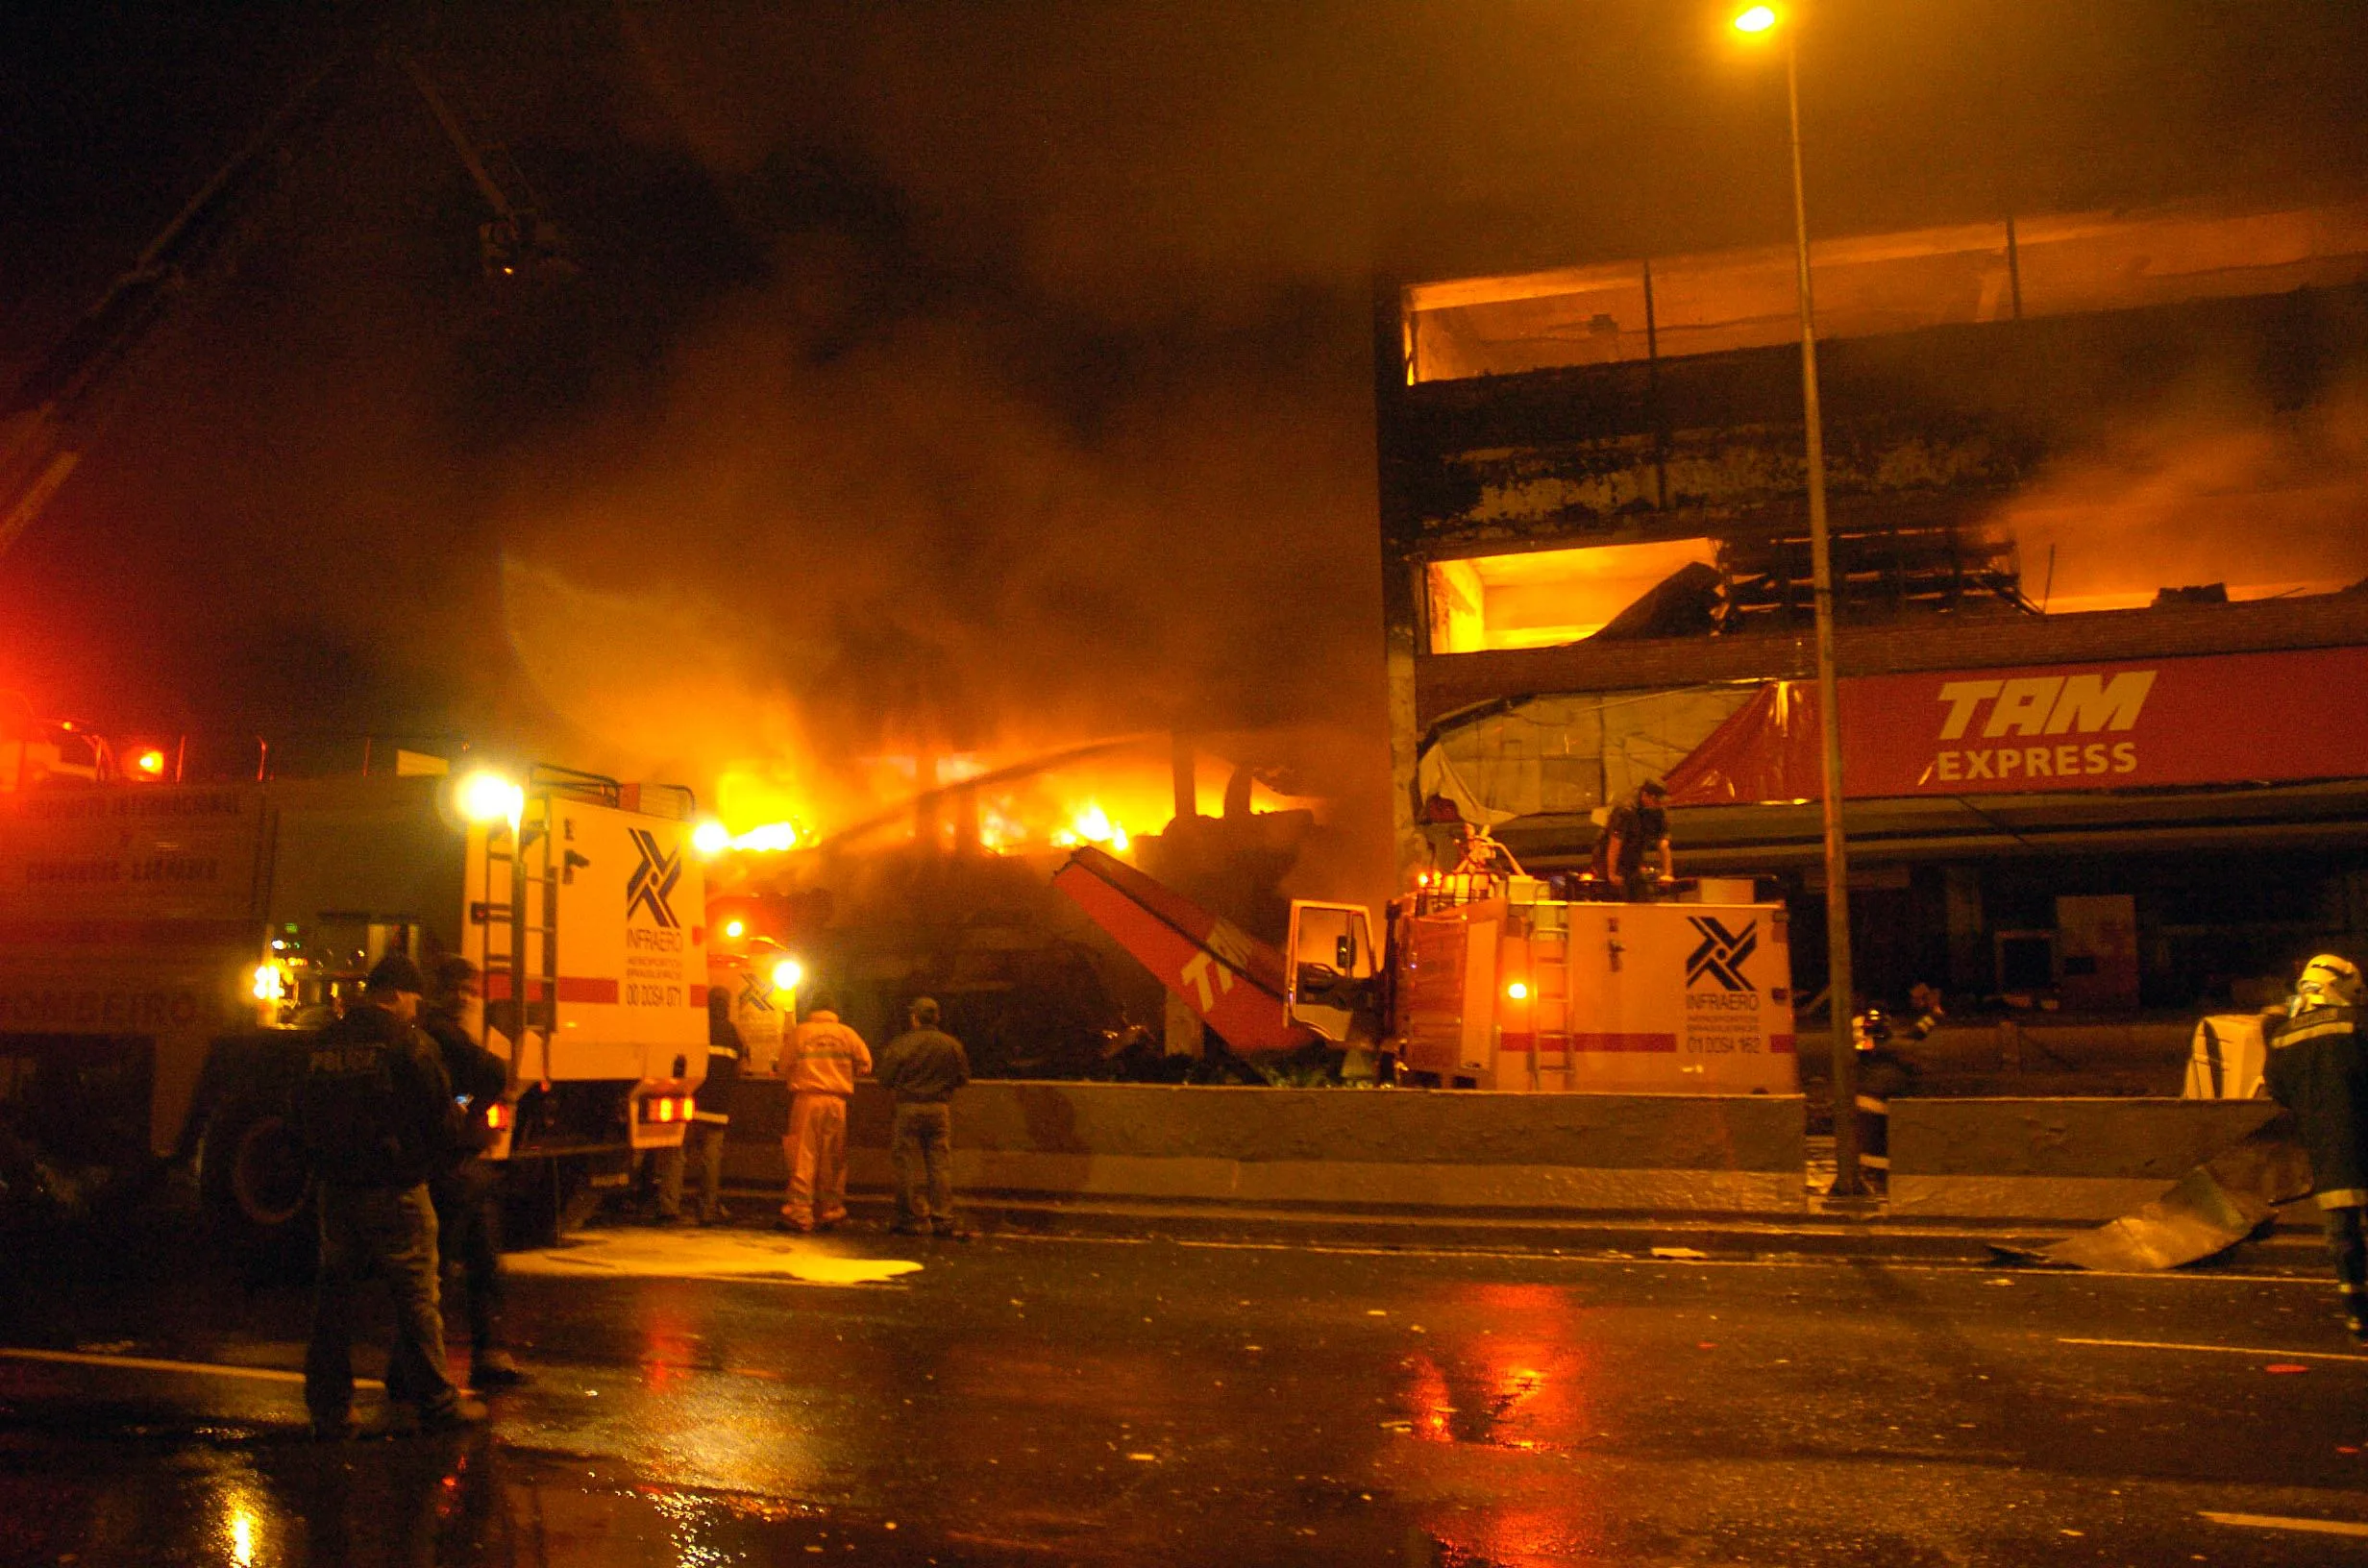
column 1963, row 697
column 2023, row 706
column 2090, row 703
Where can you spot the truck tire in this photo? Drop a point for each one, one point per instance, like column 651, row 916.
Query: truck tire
column 252, row 1177
column 544, row 1199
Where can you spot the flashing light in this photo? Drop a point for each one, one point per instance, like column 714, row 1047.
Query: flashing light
column 1756, row 19
column 497, row 1116
column 486, row 797
column 1518, row 991
column 787, row 973
column 270, row 984
column 734, row 930
column 667, row 1107
column 150, row 763
column 711, row 838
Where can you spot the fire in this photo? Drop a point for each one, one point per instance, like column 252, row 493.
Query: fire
column 1092, row 825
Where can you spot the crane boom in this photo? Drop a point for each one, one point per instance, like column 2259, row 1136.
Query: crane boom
column 53, row 412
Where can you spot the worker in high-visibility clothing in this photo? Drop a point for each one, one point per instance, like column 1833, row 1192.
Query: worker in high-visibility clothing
column 1885, row 1073
column 2318, row 1069
column 820, row 1064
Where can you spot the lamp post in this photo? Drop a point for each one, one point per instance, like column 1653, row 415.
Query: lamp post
column 1761, row 21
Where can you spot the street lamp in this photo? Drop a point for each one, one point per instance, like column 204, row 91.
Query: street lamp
column 1761, row 22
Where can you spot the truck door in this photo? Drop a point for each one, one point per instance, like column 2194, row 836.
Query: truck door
column 1333, row 965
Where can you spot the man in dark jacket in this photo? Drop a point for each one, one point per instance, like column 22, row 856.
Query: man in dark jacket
column 2318, row 1069
column 468, row 1207
column 703, row 1140
column 376, row 1115
column 923, row 1067
column 1638, row 830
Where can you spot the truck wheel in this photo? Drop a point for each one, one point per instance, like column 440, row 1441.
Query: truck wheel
column 253, row 1176
column 545, row 1199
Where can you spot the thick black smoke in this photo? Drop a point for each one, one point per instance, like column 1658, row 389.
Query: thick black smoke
column 942, row 376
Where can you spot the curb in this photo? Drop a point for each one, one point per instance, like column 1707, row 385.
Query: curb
column 1869, row 1239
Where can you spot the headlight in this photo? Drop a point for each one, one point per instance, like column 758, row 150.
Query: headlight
column 486, row 797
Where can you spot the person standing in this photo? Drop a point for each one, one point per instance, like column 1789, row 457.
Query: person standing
column 2318, row 1069
column 468, row 1207
column 1638, row 827
column 921, row 1067
column 1885, row 1073
column 375, row 1113
column 703, row 1140
column 820, row 1064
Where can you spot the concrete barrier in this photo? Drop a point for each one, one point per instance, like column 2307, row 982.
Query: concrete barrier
column 2026, row 1159
column 1333, row 1148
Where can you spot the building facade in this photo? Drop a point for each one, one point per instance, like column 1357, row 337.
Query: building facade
column 2099, row 499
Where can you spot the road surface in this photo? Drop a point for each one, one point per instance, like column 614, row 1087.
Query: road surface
column 727, row 1396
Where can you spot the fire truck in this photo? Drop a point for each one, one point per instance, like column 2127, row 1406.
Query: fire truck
column 167, row 949
column 1487, row 980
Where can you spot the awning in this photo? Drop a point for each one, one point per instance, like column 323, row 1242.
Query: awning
column 2238, row 718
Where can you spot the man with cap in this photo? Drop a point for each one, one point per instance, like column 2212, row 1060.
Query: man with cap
column 921, row 1067
column 1636, row 828
column 468, row 1207
column 820, row 1064
column 377, row 1117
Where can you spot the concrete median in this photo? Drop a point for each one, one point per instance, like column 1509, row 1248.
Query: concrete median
column 2052, row 1159
column 1336, row 1149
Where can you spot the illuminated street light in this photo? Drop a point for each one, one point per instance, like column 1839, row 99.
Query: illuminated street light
column 1760, row 21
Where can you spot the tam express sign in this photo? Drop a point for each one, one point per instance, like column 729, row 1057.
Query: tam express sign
column 2231, row 718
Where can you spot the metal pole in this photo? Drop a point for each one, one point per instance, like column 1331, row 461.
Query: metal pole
column 1847, row 1180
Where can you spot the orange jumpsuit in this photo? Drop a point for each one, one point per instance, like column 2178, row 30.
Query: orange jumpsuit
column 820, row 1065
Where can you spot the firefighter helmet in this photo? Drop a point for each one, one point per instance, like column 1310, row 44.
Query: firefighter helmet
column 2328, row 981
column 1870, row 1029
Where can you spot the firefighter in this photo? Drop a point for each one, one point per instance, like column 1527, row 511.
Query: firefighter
column 921, row 1067
column 468, row 1208
column 375, row 1113
column 820, row 1064
column 702, row 1139
column 1638, row 827
column 2318, row 1069
column 1885, row 1072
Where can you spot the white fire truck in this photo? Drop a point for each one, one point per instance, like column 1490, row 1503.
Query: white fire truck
column 1494, row 983
column 166, row 948
column 1484, row 980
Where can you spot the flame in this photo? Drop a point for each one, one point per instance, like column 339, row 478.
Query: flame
column 1091, row 825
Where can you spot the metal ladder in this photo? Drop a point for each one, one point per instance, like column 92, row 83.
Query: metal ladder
column 1550, row 981
column 528, row 949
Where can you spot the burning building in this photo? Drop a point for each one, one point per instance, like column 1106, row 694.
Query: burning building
column 2100, row 513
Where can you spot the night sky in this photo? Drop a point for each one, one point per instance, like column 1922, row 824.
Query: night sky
column 956, row 375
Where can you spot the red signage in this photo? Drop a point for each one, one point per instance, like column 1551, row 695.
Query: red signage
column 2228, row 718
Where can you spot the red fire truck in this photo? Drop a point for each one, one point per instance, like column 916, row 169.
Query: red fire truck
column 167, row 946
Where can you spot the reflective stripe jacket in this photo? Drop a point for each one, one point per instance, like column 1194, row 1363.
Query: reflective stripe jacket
column 2318, row 1069
column 825, row 1057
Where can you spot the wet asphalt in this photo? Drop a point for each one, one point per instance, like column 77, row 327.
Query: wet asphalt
column 732, row 1396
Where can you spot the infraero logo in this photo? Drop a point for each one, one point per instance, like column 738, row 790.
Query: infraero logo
column 651, row 886
column 1722, row 952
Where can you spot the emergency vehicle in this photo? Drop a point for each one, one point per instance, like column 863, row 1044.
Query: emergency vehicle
column 167, row 947
column 1484, row 981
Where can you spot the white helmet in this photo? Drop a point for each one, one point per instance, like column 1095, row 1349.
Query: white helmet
column 2328, row 981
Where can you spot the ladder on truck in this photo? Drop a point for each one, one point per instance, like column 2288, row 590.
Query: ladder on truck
column 1550, row 1001
column 522, row 935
